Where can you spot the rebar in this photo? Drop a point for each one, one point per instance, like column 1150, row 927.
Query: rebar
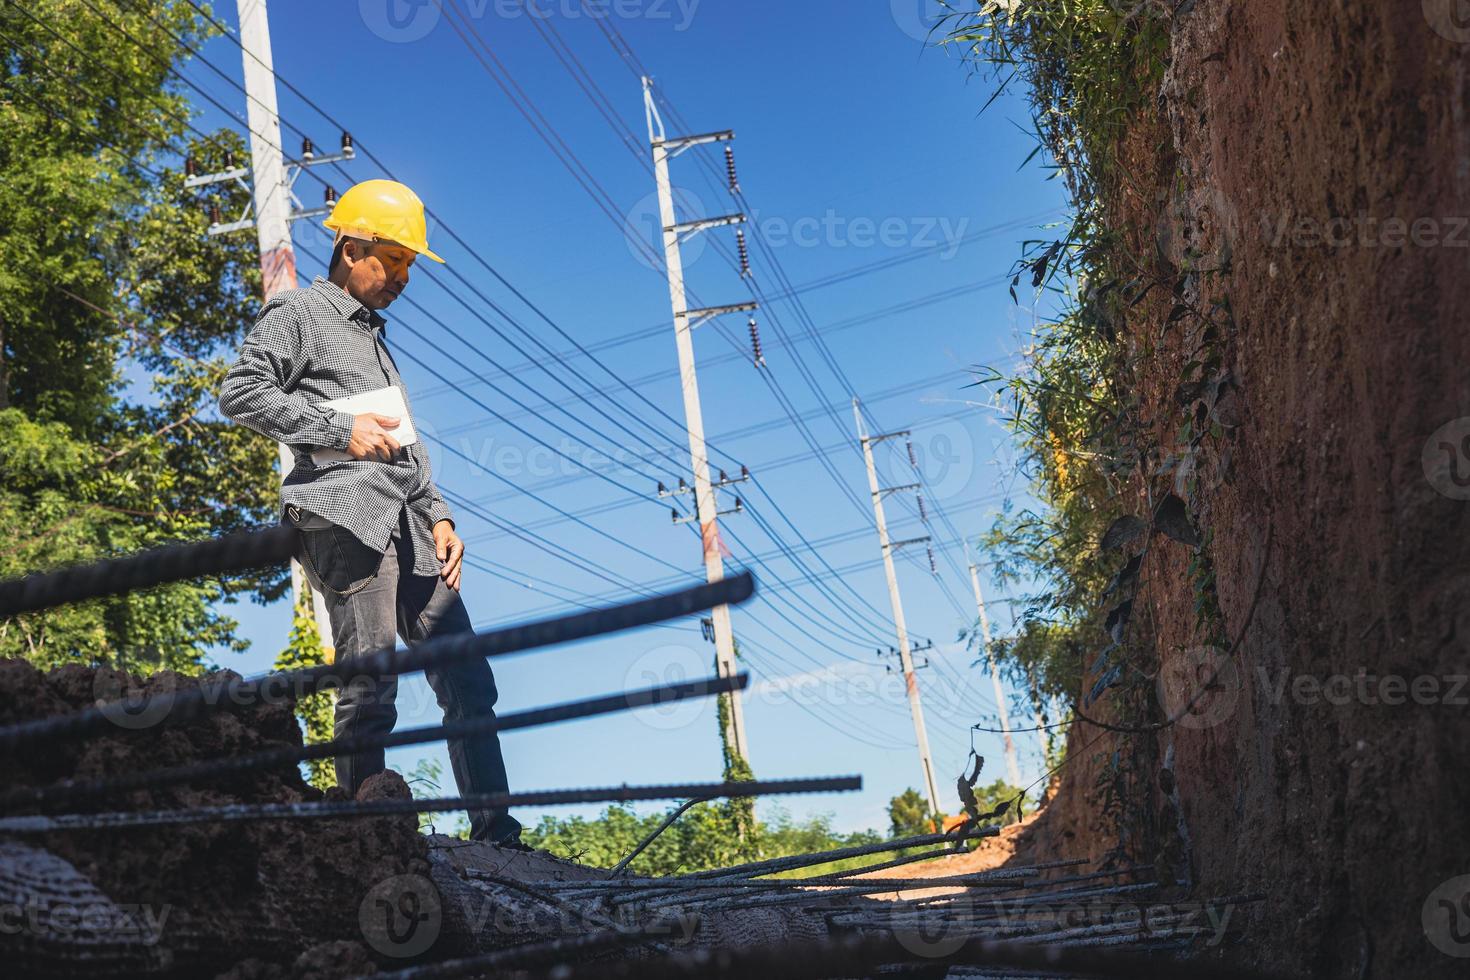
column 548, row 953
column 739, row 872
column 998, row 905
column 850, row 956
column 786, row 884
column 235, row 552
column 668, row 821
column 236, row 812
column 1007, row 920
column 486, row 881
column 234, row 692
column 1049, row 887
column 814, row 858
column 894, row 863
column 292, row 755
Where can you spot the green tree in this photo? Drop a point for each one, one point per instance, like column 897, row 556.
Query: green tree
column 699, row 840
column 908, row 814
column 117, row 316
column 425, row 781
column 991, row 796
column 316, row 711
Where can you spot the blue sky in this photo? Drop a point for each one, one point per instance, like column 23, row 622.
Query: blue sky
column 865, row 161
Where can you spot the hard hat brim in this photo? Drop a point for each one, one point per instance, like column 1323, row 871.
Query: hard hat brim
column 340, row 231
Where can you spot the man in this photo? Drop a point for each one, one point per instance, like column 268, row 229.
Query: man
column 377, row 540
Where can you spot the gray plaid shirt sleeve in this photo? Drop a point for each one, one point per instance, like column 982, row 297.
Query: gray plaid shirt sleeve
column 255, row 391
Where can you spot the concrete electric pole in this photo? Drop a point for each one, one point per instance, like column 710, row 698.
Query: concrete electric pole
column 685, row 320
column 274, row 204
column 905, row 654
column 272, row 197
column 1013, row 770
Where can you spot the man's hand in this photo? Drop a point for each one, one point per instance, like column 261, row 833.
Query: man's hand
column 371, row 439
column 450, row 551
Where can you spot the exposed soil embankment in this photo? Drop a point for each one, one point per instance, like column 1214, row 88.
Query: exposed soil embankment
column 203, row 897
column 1323, row 153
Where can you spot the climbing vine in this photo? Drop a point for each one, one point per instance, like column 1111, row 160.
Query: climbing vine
column 1115, row 459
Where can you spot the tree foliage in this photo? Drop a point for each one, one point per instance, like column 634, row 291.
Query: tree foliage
column 908, row 814
column 703, row 838
column 316, row 711
column 1087, row 69
column 117, row 312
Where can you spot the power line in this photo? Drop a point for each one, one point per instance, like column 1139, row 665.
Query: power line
column 441, row 284
column 660, row 329
column 480, row 295
column 764, row 467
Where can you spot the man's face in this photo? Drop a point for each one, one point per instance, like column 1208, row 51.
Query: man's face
column 378, row 273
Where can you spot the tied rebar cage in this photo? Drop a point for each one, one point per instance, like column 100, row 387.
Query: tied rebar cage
column 864, row 917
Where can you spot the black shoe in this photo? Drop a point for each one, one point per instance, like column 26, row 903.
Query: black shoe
column 514, row 844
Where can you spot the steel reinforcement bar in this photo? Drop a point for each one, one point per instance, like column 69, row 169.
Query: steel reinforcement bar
column 235, row 552
column 856, row 956
column 793, row 861
column 235, row 812
column 232, row 693
column 212, row 769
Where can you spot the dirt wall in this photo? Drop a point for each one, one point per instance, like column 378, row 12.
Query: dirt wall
column 1323, row 148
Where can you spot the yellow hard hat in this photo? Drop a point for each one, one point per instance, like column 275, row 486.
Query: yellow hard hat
column 382, row 210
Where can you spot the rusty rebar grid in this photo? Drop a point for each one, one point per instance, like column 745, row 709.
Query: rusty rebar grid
column 791, row 862
column 552, row 952
column 737, row 892
column 213, row 769
column 851, row 956
column 236, row 812
column 235, row 693
column 1000, row 902
column 1003, row 875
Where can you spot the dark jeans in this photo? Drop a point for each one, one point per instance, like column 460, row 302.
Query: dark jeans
column 371, row 597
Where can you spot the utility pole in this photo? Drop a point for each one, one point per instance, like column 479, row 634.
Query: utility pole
column 905, row 654
column 1013, row 770
column 685, row 320
column 271, row 183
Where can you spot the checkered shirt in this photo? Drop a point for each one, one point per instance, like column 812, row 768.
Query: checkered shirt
column 314, row 345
